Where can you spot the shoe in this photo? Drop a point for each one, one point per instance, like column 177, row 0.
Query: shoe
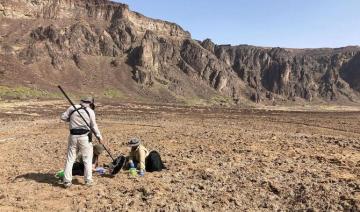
column 141, row 173
column 67, row 184
column 61, row 182
column 89, row 183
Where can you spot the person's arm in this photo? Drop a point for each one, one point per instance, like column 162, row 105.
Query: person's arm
column 66, row 115
column 131, row 156
column 95, row 162
column 130, row 160
column 93, row 125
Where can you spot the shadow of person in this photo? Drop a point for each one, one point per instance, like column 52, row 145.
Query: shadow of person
column 46, row 178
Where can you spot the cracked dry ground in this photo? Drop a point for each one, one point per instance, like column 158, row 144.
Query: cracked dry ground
column 218, row 159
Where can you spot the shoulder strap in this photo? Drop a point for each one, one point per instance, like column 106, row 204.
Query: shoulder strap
column 84, row 108
column 87, row 112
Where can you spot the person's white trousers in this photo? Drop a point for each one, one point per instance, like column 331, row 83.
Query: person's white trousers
column 79, row 144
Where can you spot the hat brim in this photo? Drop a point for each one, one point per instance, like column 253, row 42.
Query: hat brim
column 87, row 102
column 133, row 145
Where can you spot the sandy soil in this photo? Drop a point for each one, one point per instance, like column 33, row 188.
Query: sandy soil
column 218, row 159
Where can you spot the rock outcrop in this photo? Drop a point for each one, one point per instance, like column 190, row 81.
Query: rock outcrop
column 292, row 73
column 99, row 39
column 99, row 10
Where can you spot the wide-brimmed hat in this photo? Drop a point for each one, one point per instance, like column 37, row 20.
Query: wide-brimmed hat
column 134, row 142
column 87, row 99
column 98, row 149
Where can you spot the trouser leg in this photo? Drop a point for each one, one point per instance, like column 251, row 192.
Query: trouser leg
column 70, row 159
column 86, row 150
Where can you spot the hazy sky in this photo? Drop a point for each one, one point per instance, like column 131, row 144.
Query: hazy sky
column 284, row 23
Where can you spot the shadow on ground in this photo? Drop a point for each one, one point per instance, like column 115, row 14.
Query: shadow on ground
column 107, row 176
column 47, row 178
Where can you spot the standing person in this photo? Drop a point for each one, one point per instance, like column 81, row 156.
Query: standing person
column 79, row 138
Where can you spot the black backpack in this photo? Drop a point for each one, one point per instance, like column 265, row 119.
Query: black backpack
column 153, row 162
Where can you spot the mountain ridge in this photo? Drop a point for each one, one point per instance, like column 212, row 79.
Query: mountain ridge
column 48, row 42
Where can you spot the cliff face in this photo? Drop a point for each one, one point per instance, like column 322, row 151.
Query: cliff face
column 100, row 10
column 59, row 9
column 291, row 73
column 46, row 42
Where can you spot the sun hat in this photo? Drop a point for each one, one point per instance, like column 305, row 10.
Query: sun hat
column 98, row 149
column 134, row 142
column 87, row 99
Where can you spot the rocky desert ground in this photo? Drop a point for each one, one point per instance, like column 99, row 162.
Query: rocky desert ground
column 218, row 159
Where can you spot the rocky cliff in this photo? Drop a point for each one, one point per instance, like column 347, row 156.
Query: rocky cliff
column 293, row 73
column 99, row 45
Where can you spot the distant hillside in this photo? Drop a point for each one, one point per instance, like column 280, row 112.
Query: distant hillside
column 103, row 47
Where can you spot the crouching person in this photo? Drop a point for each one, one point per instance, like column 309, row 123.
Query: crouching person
column 140, row 158
column 79, row 167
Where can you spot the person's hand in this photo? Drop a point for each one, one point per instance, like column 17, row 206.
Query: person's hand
column 131, row 164
column 100, row 170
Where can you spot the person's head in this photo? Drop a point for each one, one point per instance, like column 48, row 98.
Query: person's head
column 134, row 143
column 88, row 101
column 98, row 149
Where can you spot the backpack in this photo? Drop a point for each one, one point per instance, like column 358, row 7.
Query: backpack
column 153, row 162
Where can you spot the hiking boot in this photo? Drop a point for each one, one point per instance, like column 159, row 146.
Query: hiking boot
column 67, row 184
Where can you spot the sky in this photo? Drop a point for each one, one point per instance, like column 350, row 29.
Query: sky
column 269, row 23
